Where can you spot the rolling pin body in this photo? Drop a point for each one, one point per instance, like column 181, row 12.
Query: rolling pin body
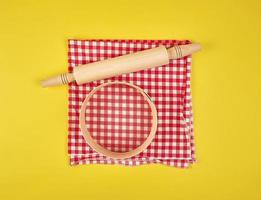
column 121, row 65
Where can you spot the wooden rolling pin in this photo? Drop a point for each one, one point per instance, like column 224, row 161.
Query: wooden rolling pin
column 122, row 65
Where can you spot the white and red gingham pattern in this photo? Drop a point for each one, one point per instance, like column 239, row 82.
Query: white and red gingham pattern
column 169, row 88
column 118, row 117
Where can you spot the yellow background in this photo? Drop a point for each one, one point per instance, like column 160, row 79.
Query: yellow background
column 226, row 98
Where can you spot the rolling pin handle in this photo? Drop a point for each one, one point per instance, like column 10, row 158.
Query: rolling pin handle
column 61, row 79
column 180, row 51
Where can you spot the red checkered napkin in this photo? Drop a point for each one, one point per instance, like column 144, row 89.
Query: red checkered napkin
column 169, row 88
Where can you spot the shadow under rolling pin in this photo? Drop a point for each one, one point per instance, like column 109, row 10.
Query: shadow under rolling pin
column 128, row 63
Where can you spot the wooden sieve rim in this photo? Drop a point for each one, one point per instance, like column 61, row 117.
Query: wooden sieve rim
column 101, row 150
